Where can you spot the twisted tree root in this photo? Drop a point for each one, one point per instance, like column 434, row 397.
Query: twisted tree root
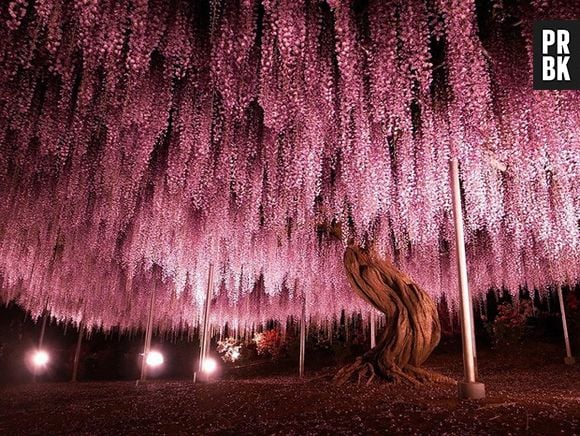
column 409, row 374
column 413, row 329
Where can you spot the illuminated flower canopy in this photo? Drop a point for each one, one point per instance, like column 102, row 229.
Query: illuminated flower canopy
column 142, row 139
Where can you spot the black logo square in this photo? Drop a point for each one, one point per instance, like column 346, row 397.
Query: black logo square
column 557, row 54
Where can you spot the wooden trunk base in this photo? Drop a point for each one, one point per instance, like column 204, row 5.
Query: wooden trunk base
column 363, row 370
column 412, row 331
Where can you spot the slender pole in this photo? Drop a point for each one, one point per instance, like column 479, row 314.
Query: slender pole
column 78, row 352
column 148, row 334
column 568, row 359
column 469, row 388
column 373, row 329
column 330, row 327
column 42, row 329
column 41, row 338
column 206, row 311
column 302, row 337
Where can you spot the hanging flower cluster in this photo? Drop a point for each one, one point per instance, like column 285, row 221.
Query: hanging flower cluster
column 141, row 140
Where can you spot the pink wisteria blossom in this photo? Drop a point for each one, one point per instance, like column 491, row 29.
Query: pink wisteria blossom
column 143, row 139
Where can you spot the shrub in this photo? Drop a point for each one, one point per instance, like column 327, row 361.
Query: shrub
column 229, row 349
column 510, row 324
column 269, row 343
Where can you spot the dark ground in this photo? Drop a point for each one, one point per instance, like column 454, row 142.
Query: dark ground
column 529, row 392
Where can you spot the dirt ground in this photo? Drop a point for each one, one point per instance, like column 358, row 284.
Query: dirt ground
column 525, row 396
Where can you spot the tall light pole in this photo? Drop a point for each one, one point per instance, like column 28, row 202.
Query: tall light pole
column 469, row 388
column 43, row 329
column 569, row 359
column 205, row 336
column 302, row 337
column 148, row 335
column 78, row 351
column 41, row 338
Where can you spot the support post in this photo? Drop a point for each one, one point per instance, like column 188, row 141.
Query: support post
column 148, row 334
column 205, row 336
column 373, row 329
column 41, row 338
column 330, row 329
column 469, row 388
column 42, row 329
column 78, row 352
column 302, row 337
column 568, row 360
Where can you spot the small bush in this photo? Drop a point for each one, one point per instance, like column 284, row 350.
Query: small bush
column 230, row 349
column 510, row 325
column 270, row 343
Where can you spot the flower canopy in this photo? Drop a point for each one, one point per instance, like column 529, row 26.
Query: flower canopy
column 143, row 139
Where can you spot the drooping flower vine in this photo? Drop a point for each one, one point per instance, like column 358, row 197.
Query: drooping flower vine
column 143, row 139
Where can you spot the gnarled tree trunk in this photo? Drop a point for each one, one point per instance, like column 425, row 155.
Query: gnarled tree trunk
column 412, row 330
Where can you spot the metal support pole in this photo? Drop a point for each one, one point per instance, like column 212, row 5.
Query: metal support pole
column 41, row 338
column 373, row 329
column 330, row 330
column 569, row 360
column 302, row 337
column 148, row 334
column 78, row 352
column 469, row 388
column 205, row 336
column 42, row 329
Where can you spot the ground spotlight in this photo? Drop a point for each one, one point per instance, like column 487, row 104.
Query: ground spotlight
column 209, row 365
column 40, row 358
column 154, row 359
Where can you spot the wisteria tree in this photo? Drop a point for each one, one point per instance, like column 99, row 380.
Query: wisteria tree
column 168, row 133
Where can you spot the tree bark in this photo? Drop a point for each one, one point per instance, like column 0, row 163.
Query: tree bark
column 412, row 328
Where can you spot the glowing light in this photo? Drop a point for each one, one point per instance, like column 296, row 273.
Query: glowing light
column 209, row 366
column 154, row 359
column 40, row 358
column 235, row 355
